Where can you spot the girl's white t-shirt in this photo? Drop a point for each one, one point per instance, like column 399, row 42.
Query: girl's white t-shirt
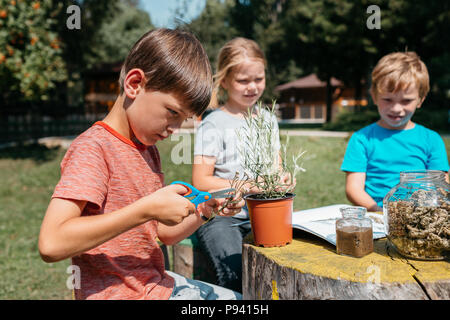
column 216, row 137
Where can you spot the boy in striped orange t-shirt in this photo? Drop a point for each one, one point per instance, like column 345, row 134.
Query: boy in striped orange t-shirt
column 110, row 204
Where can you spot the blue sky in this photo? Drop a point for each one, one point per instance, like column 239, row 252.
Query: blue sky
column 162, row 11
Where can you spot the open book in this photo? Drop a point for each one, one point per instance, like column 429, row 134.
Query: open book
column 322, row 222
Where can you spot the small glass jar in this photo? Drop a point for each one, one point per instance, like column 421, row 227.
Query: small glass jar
column 416, row 215
column 354, row 235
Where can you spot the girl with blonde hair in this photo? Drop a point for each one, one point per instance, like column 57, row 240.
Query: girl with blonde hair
column 239, row 83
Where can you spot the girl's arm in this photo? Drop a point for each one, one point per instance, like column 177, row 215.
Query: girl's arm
column 354, row 189
column 203, row 174
column 65, row 233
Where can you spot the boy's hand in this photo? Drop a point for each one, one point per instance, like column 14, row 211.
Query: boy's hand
column 233, row 206
column 167, row 205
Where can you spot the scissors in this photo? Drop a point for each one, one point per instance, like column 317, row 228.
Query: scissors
column 203, row 196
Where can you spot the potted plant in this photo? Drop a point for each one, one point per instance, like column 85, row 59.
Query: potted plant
column 271, row 172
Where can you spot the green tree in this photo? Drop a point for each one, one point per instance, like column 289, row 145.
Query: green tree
column 331, row 39
column 118, row 34
column 108, row 29
column 264, row 21
column 79, row 44
column 212, row 27
column 328, row 37
column 220, row 21
column 39, row 54
column 420, row 26
column 31, row 58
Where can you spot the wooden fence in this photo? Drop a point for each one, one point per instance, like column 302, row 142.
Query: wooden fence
column 23, row 128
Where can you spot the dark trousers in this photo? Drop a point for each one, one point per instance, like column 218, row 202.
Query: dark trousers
column 222, row 244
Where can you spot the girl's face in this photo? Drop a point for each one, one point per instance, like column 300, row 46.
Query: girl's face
column 245, row 84
column 155, row 115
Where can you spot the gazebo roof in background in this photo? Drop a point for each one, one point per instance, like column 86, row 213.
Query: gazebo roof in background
column 310, row 81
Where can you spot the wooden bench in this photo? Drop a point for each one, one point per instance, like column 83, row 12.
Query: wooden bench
column 309, row 268
column 186, row 259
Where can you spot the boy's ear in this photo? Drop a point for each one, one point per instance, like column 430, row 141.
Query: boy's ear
column 372, row 95
column 134, row 82
column 420, row 103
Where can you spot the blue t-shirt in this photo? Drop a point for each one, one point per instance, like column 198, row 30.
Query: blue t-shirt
column 382, row 154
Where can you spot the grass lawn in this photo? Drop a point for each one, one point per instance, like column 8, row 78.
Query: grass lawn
column 29, row 174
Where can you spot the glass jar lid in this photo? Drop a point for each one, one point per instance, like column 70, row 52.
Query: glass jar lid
column 353, row 212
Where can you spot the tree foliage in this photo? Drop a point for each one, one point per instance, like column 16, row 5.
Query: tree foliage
column 331, row 38
column 327, row 37
column 40, row 56
column 79, row 44
column 31, row 59
column 212, row 27
column 117, row 35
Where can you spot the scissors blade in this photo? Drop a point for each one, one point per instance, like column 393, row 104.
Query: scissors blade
column 226, row 193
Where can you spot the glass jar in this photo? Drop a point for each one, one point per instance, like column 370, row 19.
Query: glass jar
column 416, row 215
column 354, row 235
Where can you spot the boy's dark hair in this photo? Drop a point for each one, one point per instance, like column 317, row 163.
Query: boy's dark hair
column 174, row 62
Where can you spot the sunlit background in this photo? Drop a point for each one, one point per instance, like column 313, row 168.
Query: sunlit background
column 55, row 82
column 163, row 12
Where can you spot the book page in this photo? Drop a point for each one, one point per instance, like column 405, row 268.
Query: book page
column 322, row 222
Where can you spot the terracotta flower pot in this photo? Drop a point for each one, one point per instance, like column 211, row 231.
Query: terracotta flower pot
column 271, row 220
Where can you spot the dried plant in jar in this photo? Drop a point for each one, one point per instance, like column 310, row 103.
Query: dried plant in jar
column 419, row 223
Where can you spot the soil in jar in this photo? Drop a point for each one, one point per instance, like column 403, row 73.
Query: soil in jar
column 354, row 241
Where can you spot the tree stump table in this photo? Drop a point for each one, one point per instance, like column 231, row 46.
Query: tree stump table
column 309, row 268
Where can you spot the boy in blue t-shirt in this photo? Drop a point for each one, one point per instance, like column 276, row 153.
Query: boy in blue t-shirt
column 377, row 154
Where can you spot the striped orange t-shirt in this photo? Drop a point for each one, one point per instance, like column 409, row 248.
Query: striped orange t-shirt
column 110, row 172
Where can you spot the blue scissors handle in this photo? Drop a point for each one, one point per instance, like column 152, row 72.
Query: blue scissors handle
column 199, row 196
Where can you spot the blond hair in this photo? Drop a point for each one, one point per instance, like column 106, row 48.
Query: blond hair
column 397, row 71
column 175, row 62
column 233, row 53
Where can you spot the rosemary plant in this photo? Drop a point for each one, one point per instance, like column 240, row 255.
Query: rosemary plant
column 238, row 184
column 260, row 157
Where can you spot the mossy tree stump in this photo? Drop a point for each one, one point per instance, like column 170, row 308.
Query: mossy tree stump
column 309, row 268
